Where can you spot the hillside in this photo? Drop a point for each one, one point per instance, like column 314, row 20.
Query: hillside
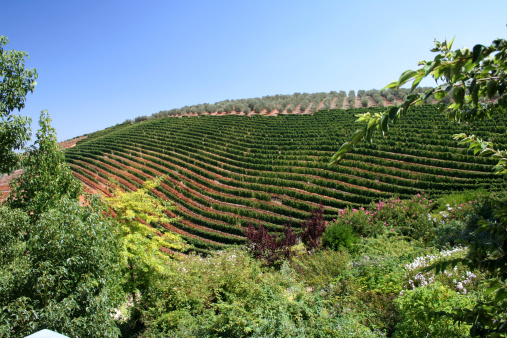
column 225, row 172
column 297, row 103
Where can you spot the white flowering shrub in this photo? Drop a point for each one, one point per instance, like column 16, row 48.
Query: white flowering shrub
column 457, row 278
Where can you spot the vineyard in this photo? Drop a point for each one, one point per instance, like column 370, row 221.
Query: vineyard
column 226, row 172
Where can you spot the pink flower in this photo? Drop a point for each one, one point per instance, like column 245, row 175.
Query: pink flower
column 392, row 229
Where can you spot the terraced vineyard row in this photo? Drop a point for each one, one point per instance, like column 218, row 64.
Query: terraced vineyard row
column 225, row 172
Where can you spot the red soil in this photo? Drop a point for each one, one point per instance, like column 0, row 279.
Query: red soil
column 71, row 143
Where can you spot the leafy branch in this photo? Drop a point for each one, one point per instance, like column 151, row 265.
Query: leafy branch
column 471, row 74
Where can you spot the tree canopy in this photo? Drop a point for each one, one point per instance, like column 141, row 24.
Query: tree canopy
column 60, row 260
column 16, row 82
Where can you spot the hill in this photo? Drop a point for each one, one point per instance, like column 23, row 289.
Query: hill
column 225, row 172
column 297, row 103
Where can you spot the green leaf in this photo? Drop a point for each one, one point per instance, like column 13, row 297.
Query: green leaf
column 449, row 45
column 357, row 136
column 477, row 52
column 407, row 75
column 439, row 95
column 416, row 82
column 470, row 84
column 383, row 123
column 372, row 122
column 459, row 95
column 369, row 134
column 430, row 66
column 393, row 84
column 393, row 112
column 345, row 148
column 491, row 89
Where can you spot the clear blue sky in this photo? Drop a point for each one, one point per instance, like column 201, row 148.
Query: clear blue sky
column 101, row 62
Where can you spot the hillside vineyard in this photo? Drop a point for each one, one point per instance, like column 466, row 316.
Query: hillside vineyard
column 226, row 172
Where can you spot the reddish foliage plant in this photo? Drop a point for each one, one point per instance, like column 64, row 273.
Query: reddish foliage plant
column 313, row 228
column 271, row 248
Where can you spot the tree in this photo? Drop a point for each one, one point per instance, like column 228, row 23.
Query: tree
column 47, row 177
column 59, row 263
column 477, row 80
column 59, row 260
column 15, row 83
column 141, row 244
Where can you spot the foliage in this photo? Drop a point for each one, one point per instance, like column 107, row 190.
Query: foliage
column 271, row 248
column 477, row 80
column 60, row 269
column 416, row 307
column 47, row 177
column 229, row 294
column 15, row 83
column 313, row 228
column 320, row 268
column 471, row 74
column 59, row 273
column 487, row 252
column 141, row 250
column 337, row 237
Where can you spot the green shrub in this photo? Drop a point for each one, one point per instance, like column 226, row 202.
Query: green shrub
column 322, row 268
column 339, row 236
column 402, row 217
column 229, row 294
column 416, row 308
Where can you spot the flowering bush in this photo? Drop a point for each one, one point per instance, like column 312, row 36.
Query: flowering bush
column 456, row 278
column 413, row 217
column 404, row 217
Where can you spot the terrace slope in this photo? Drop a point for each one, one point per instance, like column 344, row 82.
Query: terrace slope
column 225, row 172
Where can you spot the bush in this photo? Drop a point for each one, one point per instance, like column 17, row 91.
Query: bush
column 339, row 236
column 229, row 294
column 416, row 308
column 402, row 217
column 270, row 248
column 321, row 269
column 61, row 273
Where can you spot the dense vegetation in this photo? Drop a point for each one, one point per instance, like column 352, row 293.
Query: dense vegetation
column 226, row 172
column 378, row 245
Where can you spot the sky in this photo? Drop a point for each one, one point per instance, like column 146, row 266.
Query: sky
column 102, row 62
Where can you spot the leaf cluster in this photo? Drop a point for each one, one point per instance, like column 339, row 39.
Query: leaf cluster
column 16, row 82
column 471, row 75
